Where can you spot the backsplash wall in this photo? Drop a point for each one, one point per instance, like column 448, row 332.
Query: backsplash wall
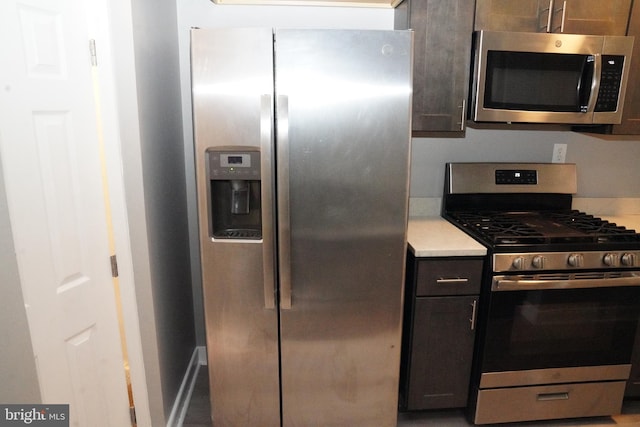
column 606, row 168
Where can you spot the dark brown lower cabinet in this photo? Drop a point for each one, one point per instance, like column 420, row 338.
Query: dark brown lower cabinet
column 442, row 350
column 441, row 303
column 633, row 385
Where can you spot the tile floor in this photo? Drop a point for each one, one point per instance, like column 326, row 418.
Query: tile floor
column 198, row 414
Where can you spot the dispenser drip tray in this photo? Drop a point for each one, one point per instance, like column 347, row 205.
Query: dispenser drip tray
column 238, row 233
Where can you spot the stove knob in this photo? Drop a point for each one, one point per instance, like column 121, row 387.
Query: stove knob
column 575, row 260
column 518, row 263
column 610, row 260
column 538, row 261
column 628, row 259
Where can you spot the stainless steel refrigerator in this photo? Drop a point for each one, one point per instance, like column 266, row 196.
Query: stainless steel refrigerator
column 302, row 142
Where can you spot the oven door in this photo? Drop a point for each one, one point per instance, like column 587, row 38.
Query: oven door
column 551, row 329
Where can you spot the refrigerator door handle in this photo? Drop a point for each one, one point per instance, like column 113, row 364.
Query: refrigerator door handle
column 284, row 218
column 268, row 245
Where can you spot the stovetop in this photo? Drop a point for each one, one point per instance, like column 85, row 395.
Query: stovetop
column 527, row 207
column 556, row 228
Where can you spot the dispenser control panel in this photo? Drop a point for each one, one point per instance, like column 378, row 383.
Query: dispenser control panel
column 234, row 165
column 235, row 160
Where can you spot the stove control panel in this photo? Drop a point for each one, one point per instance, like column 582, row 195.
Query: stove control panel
column 516, row 177
column 566, row 261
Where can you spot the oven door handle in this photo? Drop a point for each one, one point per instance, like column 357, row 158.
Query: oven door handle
column 503, row 283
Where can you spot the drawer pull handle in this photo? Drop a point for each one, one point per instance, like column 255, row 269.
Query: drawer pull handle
column 443, row 281
column 553, row 396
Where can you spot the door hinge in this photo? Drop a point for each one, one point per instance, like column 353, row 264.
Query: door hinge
column 132, row 413
column 114, row 266
column 92, row 52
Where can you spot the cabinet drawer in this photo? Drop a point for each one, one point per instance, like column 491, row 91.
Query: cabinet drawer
column 448, row 277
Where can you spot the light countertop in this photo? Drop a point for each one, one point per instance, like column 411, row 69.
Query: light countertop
column 435, row 236
column 628, row 221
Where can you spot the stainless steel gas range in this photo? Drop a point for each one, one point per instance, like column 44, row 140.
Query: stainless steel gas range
column 560, row 299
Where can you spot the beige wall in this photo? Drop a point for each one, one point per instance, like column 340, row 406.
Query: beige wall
column 157, row 204
column 18, row 378
column 606, row 167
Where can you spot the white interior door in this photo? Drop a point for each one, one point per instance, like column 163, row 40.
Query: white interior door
column 50, row 152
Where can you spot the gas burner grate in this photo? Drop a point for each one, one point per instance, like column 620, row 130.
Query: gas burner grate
column 498, row 227
column 511, row 228
column 597, row 227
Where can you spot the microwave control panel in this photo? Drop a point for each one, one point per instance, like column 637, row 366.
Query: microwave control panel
column 610, row 79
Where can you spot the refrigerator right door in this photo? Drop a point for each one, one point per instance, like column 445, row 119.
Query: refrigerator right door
column 343, row 111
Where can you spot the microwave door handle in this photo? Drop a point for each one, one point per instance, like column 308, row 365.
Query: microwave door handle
column 592, row 69
column 587, row 88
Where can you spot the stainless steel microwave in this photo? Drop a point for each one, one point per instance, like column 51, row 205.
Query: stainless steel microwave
column 549, row 78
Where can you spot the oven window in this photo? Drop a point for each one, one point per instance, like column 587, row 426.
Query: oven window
column 560, row 328
column 537, row 81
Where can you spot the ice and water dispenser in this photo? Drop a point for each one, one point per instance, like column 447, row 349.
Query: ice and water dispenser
column 235, row 205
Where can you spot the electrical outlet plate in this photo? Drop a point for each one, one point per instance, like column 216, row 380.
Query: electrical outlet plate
column 559, row 153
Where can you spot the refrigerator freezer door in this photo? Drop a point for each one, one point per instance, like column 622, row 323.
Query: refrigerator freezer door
column 346, row 97
column 232, row 81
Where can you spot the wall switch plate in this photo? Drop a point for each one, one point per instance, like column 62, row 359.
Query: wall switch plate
column 559, row 153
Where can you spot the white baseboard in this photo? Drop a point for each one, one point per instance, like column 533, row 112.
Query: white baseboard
column 202, row 354
column 181, row 404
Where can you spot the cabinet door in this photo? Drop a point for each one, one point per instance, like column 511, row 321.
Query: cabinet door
column 599, row 17
column 441, row 353
column 633, row 385
column 512, row 15
column 442, row 55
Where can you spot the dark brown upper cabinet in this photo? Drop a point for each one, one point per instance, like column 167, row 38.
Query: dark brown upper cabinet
column 442, row 54
column 599, row 17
